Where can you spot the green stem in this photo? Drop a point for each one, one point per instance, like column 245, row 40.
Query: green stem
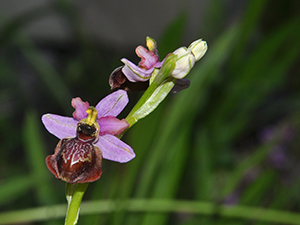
column 74, row 194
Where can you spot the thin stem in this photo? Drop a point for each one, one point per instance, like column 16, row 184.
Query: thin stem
column 74, row 194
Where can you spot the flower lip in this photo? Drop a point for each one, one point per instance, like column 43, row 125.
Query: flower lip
column 75, row 161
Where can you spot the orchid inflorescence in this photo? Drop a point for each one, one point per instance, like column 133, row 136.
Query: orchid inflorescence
column 93, row 133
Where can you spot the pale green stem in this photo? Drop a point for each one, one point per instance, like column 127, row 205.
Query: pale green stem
column 74, row 194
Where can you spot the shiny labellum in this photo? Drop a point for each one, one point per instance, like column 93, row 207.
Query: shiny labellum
column 77, row 160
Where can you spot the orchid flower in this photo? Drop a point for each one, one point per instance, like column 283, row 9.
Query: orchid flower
column 131, row 77
column 149, row 61
column 87, row 137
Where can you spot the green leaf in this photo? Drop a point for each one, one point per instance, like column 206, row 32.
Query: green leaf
column 154, row 205
column 36, row 153
column 15, row 187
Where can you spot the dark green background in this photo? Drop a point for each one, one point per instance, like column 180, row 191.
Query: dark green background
column 231, row 139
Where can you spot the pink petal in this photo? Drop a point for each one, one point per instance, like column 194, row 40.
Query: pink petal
column 135, row 73
column 158, row 64
column 114, row 149
column 112, row 125
column 80, row 108
column 148, row 58
column 112, row 104
column 60, row 126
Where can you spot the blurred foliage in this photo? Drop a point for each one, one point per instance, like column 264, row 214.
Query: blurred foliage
column 224, row 151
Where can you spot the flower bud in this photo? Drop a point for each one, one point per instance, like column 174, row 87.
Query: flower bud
column 198, row 48
column 186, row 58
column 184, row 63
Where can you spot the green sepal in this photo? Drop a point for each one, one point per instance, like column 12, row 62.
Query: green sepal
column 153, row 75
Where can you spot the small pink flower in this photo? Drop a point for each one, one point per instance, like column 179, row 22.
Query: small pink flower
column 149, row 61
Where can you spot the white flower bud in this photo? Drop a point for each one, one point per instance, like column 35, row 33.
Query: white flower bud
column 185, row 62
column 198, row 48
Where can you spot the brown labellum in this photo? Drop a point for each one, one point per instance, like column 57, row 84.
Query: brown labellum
column 77, row 160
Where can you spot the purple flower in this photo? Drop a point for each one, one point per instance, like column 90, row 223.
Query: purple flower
column 131, row 77
column 149, row 61
column 87, row 137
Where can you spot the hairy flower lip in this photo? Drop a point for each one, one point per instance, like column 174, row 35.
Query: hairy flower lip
column 75, row 161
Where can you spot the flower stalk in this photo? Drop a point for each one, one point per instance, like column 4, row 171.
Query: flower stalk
column 74, row 195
